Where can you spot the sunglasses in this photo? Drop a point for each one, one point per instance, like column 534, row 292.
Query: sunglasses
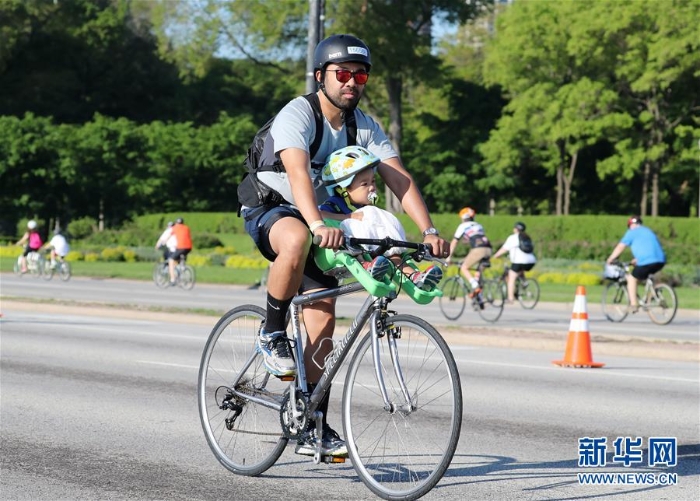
column 344, row 76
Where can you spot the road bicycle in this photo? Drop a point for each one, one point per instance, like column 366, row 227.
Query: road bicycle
column 527, row 290
column 658, row 300
column 184, row 274
column 36, row 264
column 62, row 267
column 402, row 397
column 488, row 303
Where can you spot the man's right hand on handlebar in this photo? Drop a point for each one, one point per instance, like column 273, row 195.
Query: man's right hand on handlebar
column 330, row 238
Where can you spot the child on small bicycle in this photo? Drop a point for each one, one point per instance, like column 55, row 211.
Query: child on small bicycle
column 33, row 242
column 350, row 181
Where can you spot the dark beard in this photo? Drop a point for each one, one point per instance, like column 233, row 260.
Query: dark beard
column 343, row 107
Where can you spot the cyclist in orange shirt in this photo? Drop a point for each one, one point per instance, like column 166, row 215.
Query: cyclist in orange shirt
column 182, row 235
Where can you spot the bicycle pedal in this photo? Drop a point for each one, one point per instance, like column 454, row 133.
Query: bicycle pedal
column 332, row 459
column 285, row 378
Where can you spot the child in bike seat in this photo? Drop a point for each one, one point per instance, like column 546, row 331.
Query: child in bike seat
column 349, row 179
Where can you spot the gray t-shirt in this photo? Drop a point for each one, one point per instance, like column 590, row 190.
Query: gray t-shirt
column 295, row 127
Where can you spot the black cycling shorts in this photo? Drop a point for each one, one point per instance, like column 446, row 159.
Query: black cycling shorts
column 518, row 267
column 259, row 221
column 642, row 272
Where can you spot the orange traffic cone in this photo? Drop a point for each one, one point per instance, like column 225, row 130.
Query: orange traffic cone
column 578, row 346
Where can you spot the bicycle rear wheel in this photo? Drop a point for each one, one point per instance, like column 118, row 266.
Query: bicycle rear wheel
column 528, row 292
column 64, row 271
column 161, row 276
column 187, row 278
column 400, row 454
column 493, row 300
column 615, row 301
column 453, row 299
column 662, row 306
column 246, row 437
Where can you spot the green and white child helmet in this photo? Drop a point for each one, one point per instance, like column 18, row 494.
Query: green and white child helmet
column 342, row 166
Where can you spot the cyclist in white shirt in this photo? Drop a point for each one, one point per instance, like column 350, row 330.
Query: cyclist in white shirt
column 473, row 235
column 168, row 240
column 59, row 247
column 520, row 261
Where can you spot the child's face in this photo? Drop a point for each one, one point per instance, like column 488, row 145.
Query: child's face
column 362, row 185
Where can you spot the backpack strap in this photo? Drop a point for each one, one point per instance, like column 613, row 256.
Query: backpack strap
column 351, row 128
column 318, row 117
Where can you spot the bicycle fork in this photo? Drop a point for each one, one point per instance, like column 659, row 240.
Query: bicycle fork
column 383, row 327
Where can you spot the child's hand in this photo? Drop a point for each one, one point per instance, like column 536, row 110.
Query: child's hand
column 357, row 215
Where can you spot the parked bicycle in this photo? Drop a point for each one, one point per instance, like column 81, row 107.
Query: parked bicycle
column 402, row 398
column 658, row 300
column 488, row 303
column 36, row 264
column 527, row 290
column 184, row 274
column 61, row 266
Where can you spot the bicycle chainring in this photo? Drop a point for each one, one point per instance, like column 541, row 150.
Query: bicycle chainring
column 293, row 427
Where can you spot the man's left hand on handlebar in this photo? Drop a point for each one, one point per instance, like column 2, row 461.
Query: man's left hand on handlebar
column 439, row 246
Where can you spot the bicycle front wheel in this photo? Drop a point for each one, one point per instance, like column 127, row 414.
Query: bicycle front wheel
column 245, row 436
column 453, row 299
column 492, row 300
column 528, row 292
column 662, row 305
column 187, row 278
column 402, row 452
column 615, row 301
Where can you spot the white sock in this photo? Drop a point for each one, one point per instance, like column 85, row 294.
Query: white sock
column 474, row 283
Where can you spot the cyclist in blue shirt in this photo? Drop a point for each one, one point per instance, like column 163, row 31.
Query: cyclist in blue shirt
column 649, row 257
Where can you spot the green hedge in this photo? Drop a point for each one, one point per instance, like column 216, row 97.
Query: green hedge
column 567, row 237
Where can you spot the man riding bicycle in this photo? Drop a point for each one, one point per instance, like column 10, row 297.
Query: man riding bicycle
column 183, row 240
column 474, row 235
column 520, row 261
column 648, row 254
column 283, row 230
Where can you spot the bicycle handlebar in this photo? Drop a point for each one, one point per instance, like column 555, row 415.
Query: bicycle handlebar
column 421, row 250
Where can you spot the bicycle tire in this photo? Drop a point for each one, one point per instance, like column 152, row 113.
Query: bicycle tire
column 663, row 305
column 48, row 273
column 16, row 268
column 454, row 298
column 161, row 276
column 186, row 278
column 614, row 301
column 528, row 294
column 254, row 441
column 402, row 454
column 493, row 300
column 64, row 271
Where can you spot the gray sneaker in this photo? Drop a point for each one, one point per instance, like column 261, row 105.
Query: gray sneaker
column 276, row 352
column 331, row 443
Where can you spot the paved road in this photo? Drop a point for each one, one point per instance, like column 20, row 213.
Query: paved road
column 546, row 317
column 105, row 409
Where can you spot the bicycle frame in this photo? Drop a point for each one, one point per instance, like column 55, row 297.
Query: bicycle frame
column 373, row 310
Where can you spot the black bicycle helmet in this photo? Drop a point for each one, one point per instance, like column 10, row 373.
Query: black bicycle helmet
column 341, row 49
column 179, row 220
column 520, row 226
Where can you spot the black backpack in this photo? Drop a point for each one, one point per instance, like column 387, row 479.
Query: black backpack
column 254, row 193
column 525, row 243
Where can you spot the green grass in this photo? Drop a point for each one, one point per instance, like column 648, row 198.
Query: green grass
column 688, row 297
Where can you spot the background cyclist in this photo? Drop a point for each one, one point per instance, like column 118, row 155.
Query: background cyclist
column 183, row 241
column 167, row 241
column 520, row 261
column 283, row 231
column 32, row 242
column 647, row 252
column 473, row 234
column 59, row 247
